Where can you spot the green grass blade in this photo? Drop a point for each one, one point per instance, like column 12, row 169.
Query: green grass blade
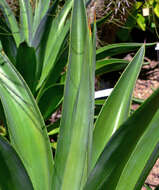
column 26, row 20
column 13, row 174
column 41, row 8
column 117, row 49
column 26, row 128
column 11, row 21
column 110, row 65
column 119, row 149
column 116, row 108
column 71, row 155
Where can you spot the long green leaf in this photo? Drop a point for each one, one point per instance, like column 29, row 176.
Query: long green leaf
column 117, row 49
column 50, row 100
column 57, row 34
column 41, row 8
column 13, row 174
column 44, row 26
column 92, row 49
column 116, row 108
column 40, row 38
column 59, row 68
column 120, row 150
column 27, row 67
column 109, row 65
column 11, row 21
column 26, row 20
column 71, row 154
column 49, row 62
column 26, row 127
column 145, row 152
column 8, row 42
column 57, row 73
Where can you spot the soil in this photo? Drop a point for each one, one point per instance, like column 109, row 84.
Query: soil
column 153, row 178
column 148, row 80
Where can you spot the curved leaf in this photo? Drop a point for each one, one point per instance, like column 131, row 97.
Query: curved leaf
column 26, row 127
column 13, row 174
column 122, row 146
column 109, row 65
column 142, row 158
column 117, row 49
column 116, row 108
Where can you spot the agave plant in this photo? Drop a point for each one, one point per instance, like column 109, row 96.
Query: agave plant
column 40, row 34
column 116, row 152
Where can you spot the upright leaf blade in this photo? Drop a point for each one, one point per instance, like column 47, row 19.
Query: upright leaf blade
column 44, row 26
column 57, row 34
column 116, row 108
column 13, row 174
column 26, row 127
column 119, row 149
column 11, row 21
column 40, row 38
column 26, row 20
column 41, row 7
column 92, row 49
column 142, row 158
column 71, row 155
column 49, row 62
column 8, row 42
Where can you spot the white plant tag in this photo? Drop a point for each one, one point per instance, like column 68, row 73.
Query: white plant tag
column 103, row 93
column 145, row 11
column 157, row 47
